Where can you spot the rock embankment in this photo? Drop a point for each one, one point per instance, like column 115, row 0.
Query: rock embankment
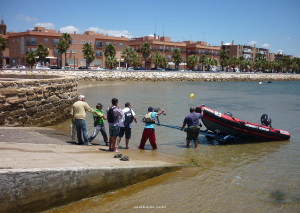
column 35, row 101
column 162, row 76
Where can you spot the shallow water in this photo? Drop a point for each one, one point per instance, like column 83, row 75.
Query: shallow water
column 253, row 177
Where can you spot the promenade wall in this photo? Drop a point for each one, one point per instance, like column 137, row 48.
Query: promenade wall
column 35, row 99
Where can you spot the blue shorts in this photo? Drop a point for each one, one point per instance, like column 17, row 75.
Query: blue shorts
column 114, row 131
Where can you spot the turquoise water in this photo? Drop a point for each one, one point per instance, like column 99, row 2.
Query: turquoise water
column 253, row 177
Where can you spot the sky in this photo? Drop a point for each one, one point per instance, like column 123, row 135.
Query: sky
column 271, row 24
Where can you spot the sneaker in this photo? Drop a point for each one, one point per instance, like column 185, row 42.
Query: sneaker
column 88, row 144
column 118, row 156
column 125, row 158
column 106, row 144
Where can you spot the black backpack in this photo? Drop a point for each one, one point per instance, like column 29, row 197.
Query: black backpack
column 128, row 118
column 111, row 115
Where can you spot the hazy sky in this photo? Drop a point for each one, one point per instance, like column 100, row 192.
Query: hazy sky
column 273, row 24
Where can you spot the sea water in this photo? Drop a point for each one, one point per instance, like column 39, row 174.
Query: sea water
column 252, row 177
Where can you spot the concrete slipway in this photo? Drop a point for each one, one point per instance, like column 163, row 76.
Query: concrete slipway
column 40, row 169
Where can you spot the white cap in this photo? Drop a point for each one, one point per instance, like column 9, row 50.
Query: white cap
column 81, row 97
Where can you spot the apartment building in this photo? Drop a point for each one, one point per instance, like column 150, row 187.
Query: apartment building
column 164, row 45
column 23, row 42
column 247, row 51
column 202, row 48
column 5, row 54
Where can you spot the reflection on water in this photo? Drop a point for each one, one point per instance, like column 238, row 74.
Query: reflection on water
column 257, row 177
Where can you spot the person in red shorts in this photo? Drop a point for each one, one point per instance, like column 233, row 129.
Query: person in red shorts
column 149, row 131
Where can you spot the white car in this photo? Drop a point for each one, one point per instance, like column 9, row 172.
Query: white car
column 130, row 68
column 41, row 67
column 100, row 68
column 19, row 67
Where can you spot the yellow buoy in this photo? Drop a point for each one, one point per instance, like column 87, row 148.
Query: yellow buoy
column 192, row 95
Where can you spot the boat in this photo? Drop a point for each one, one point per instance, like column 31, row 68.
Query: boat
column 227, row 125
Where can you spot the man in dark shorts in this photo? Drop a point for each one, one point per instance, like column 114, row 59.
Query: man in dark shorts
column 192, row 120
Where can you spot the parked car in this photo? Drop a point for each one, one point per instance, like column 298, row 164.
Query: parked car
column 100, row 68
column 41, row 67
column 83, row 68
column 141, row 68
column 120, row 68
column 130, row 68
column 19, row 67
column 54, row 67
column 66, row 68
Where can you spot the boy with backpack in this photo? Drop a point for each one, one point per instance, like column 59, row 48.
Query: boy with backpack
column 149, row 131
column 114, row 114
column 125, row 124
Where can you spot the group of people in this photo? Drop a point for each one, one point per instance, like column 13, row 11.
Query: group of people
column 120, row 123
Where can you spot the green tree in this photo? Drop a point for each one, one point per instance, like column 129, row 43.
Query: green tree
column 31, row 59
column 224, row 58
column 210, row 62
column 192, row 61
column 110, row 51
column 61, row 48
column 202, row 60
column 88, row 53
column 128, row 55
column 111, row 61
column 159, row 60
column 233, row 62
column 42, row 52
column 136, row 60
column 145, row 50
column 3, row 46
column 67, row 42
column 177, row 58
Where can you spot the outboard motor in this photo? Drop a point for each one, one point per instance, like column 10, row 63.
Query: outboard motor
column 266, row 120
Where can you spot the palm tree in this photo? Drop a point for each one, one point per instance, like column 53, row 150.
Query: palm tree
column 210, row 62
column 42, row 52
column 31, row 59
column 177, row 58
column 111, row 61
column 146, row 50
column 159, row 60
column 202, row 60
column 192, row 61
column 110, row 51
column 61, row 47
column 127, row 54
column 88, row 53
column 67, row 42
column 3, row 45
column 136, row 60
column 233, row 61
column 223, row 58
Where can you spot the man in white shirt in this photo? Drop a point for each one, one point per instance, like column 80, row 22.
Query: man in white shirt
column 125, row 124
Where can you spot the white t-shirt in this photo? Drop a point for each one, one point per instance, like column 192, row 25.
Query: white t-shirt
column 121, row 123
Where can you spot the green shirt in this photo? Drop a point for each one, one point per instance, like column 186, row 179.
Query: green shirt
column 98, row 120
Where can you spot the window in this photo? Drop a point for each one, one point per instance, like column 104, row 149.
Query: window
column 55, row 41
column 56, row 52
column 31, row 41
column 108, row 43
column 99, row 53
column 68, row 51
column 73, row 41
column 121, row 44
column 91, row 42
column 82, row 42
column 46, row 40
column 73, row 51
column 98, row 44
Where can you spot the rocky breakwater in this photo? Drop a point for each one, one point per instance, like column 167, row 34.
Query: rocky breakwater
column 35, row 99
column 114, row 75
